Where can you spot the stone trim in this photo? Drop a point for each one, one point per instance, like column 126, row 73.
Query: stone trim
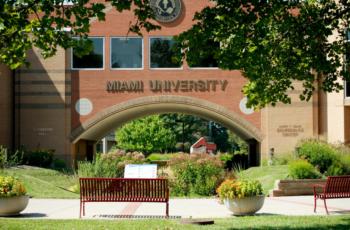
column 42, row 106
column 193, row 105
column 295, row 187
column 40, row 94
column 53, row 82
column 44, row 71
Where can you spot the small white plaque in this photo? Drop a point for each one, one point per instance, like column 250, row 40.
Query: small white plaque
column 83, row 106
column 140, row 171
column 243, row 106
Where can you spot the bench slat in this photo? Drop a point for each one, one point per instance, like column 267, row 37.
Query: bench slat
column 123, row 190
column 336, row 187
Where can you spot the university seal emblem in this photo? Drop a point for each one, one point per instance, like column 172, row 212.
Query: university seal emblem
column 166, row 10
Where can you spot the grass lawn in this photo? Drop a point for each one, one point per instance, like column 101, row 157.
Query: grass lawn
column 267, row 175
column 48, row 183
column 44, row 183
column 250, row 222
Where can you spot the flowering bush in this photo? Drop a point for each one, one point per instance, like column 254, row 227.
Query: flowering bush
column 109, row 164
column 10, row 186
column 240, row 188
column 302, row 169
column 195, row 174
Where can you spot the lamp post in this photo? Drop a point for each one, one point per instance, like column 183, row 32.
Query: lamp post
column 183, row 133
column 210, row 130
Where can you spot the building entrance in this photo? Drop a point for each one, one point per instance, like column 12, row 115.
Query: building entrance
column 108, row 120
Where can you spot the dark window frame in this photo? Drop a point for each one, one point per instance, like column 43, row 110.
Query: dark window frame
column 103, row 55
column 346, row 83
column 127, row 68
column 203, row 67
column 150, row 54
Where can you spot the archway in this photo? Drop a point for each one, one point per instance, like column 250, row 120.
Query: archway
column 114, row 116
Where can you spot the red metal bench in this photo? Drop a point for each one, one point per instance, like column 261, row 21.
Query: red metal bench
column 335, row 187
column 123, row 190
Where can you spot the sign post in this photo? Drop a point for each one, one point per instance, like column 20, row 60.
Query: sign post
column 140, row 171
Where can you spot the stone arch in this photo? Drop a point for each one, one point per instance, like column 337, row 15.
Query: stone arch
column 109, row 119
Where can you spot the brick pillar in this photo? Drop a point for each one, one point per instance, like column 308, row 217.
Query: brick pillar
column 6, row 106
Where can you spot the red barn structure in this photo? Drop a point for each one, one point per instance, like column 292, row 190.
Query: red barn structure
column 203, row 146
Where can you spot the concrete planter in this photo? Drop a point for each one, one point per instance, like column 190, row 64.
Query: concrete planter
column 12, row 206
column 295, row 187
column 245, row 206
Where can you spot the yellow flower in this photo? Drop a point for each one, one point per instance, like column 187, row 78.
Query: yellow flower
column 10, row 186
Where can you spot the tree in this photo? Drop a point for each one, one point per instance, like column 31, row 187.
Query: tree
column 274, row 43
column 147, row 135
column 237, row 144
column 50, row 24
column 188, row 129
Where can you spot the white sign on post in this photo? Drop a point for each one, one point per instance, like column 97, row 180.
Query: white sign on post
column 140, row 171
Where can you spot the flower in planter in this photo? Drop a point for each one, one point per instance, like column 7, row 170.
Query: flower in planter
column 242, row 196
column 232, row 188
column 10, row 186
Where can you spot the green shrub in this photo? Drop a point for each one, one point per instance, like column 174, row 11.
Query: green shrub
column 3, row 157
column 59, row 164
column 320, row 154
column 283, row 159
column 342, row 164
column 338, row 167
column 160, row 156
column 109, row 164
column 16, row 158
column 195, row 174
column 345, row 159
column 301, row 169
column 39, row 157
column 226, row 159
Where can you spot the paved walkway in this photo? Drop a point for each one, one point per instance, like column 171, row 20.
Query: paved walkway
column 179, row 208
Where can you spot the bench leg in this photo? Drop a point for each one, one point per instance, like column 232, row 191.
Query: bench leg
column 83, row 208
column 325, row 205
column 167, row 210
column 315, row 201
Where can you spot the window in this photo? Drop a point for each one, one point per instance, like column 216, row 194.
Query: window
column 93, row 60
column 204, row 57
column 347, row 89
column 126, row 53
column 68, row 2
column 347, row 62
column 162, row 54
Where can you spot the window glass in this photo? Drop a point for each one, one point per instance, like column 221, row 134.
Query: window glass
column 93, row 60
column 68, row 2
column 347, row 89
column 205, row 57
column 126, row 53
column 347, row 62
column 162, row 53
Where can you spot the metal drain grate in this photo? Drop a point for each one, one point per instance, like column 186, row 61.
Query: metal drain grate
column 134, row 216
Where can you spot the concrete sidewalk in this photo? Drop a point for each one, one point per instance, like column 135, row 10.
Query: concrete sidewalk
column 178, row 208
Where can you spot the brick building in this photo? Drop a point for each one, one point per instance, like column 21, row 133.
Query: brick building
column 68, row 103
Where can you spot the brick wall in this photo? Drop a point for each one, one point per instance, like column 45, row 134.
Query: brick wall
column 5, row 106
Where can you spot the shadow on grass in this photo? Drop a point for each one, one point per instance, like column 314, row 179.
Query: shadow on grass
column 27, row 215
column 262, row 214
column 345, row 212
column 342, row 223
